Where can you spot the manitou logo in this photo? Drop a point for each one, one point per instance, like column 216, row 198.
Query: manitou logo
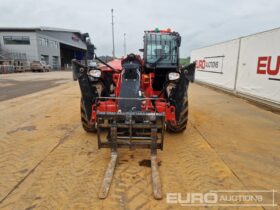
column 265, row 66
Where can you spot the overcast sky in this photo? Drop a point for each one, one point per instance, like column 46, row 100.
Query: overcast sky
column 200, row 22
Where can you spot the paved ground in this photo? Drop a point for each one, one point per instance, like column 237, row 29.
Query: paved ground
column 15, row 85
column 47, row 161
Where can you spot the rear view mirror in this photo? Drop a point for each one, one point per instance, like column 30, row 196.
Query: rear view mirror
column 190, row 71
column 141, row 50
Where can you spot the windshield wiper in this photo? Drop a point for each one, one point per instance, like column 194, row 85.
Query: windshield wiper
column 154, row 64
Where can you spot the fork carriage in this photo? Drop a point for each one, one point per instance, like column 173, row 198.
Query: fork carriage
column 134, row 129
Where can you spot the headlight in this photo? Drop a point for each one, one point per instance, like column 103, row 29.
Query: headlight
column 173, row 76
column 95, row 73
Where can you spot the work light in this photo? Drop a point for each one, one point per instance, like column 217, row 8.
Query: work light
column 95, row 73
column 173, row 76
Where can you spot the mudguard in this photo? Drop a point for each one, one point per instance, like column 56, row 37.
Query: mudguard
column 178, row 94
column 80, row 72
column 190, row 71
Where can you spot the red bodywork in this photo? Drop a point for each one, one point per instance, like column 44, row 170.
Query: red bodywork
column 110, row 105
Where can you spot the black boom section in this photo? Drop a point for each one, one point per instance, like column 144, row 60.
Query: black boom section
column 80, row 72
column 130, row 88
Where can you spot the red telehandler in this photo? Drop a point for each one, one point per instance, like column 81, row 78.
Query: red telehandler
column 135, row 100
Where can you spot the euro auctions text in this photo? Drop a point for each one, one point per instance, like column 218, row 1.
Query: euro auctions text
column 224, row 198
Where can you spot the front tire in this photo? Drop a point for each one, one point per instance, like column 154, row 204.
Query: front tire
column 183, row 119
column 87, row 126
column 180, row 101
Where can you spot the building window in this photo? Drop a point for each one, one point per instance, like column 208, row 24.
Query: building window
column 16, row 40
column 55, row 62
column 45, row 58
column 40, row 41
column 47, row 43
column 52, row 43
column 43, row 42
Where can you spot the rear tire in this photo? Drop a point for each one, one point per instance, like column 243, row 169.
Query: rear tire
column 87, row 126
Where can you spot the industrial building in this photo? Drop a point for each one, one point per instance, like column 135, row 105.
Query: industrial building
column 57, row 47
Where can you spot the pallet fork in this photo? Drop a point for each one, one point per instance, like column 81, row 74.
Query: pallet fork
column 151, row 138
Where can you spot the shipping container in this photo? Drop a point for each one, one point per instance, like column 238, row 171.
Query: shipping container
column 248, row 66
column 217, row 64
column 259, row 66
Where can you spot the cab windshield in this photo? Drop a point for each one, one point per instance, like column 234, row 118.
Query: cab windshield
column 161, row 49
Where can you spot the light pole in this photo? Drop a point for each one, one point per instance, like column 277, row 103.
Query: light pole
column 113, row 35
column 124, row 44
